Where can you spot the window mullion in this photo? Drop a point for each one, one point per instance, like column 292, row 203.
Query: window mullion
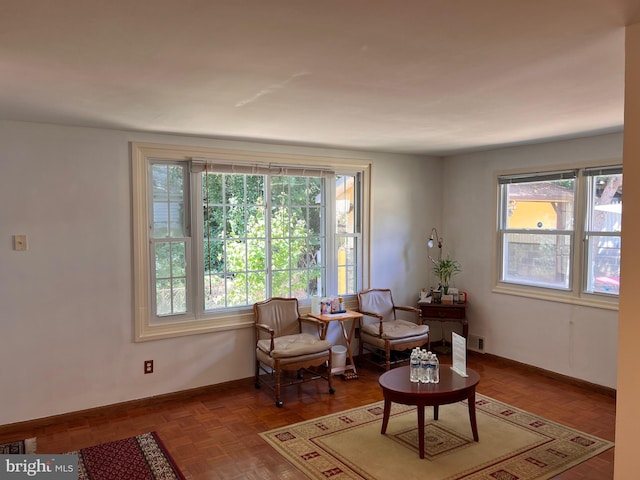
column 581, row 254
column 196, row 257
column 267, row 230
column 330, row 237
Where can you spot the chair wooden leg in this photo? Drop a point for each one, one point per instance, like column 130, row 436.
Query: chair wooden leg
column 276, row 382
column 330, row 375
column 387, row 356
column 277, row 389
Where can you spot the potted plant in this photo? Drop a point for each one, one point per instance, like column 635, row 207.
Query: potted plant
column 444, row 269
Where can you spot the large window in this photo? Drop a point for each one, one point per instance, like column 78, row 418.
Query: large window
column 215, row 233
column 561, row 231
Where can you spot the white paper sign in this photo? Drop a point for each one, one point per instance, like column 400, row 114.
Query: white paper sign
column 459, row 354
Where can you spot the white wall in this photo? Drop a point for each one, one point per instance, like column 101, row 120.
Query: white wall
column 577, row 341
column 407, row 197
column 66, row 303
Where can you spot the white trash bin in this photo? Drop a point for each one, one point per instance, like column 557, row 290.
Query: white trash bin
column 338, row 357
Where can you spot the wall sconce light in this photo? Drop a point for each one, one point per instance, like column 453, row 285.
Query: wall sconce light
column 437, row 239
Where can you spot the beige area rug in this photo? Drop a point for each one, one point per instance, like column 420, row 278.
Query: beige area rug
column 514, row 444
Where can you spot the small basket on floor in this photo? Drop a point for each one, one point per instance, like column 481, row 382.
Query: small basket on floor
column 349, row 376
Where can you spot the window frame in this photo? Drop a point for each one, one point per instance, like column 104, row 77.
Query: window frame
column 142, row 154
column 588, row 231
column 576, row 293
column 353, row 236
column 504, row 232
column 186, row 238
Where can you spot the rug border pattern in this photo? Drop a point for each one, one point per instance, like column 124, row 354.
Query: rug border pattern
column 332, row 464
column 159, row 461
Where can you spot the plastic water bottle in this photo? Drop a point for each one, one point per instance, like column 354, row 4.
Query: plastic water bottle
column 414, row 365
column 431, row 365
column 435, row 369
column 424, row 366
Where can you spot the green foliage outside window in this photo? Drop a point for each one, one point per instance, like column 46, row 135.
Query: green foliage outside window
column 235, row 244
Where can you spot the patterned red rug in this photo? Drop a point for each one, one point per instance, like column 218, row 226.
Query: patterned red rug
column 19, row 447
column 143, row 457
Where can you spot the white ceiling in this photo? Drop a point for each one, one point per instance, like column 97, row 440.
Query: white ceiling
column 411, row 76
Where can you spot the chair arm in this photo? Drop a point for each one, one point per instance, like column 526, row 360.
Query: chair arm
column 371, row 314
column 375, row 315
column 407, row 309
column 267, row 329
column 321, row 326
column 415, row 310
column 311, row 320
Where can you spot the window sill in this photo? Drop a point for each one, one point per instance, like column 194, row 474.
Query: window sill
column 242, row 318
column 551, row 296
column 193, row 327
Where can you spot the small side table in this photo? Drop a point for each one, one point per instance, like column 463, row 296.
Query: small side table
column 348, row 336
column 441, row 312
column 453, row 388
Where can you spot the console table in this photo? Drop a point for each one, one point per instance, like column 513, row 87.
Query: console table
column 446, row 313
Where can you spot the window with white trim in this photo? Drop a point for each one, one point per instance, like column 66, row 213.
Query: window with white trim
column 216, row 231
column 603, row 230
column 560, row 230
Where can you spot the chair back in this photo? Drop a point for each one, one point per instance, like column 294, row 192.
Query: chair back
column 280, row 313
column 377, row 300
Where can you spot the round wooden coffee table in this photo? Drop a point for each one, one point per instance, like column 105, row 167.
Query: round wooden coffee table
column 396, row 387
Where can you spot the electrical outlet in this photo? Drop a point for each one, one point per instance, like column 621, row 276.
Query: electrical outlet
column 148, row 366
column 475, row 343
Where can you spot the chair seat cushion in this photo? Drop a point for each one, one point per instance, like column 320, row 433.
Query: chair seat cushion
column 294, row 345
column 395, row 329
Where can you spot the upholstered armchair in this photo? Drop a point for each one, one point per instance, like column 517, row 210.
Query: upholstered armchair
column 282, row 345
column 381, row 332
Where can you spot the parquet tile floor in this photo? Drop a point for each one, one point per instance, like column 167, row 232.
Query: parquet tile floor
column 213, row 434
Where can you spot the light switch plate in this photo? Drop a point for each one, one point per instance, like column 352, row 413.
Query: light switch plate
column 19, row 242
